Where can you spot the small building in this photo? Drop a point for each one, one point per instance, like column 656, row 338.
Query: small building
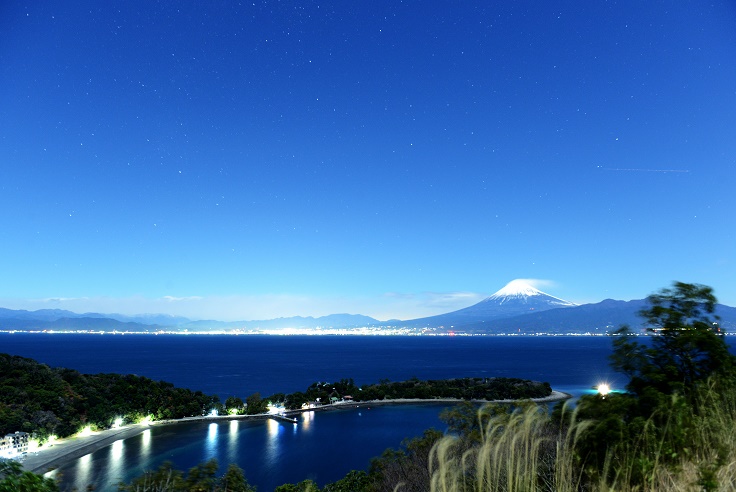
column 13, row 445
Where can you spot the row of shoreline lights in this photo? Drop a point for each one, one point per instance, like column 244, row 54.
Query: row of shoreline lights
column 35, row 445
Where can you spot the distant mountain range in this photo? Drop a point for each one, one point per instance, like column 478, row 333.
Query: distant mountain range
column 517, row 308
column 61, row 320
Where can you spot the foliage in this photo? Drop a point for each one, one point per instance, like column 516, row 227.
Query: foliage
column 467, row 420
column 303, row 486
column 164, row 479
column 459, row 388
column 687, row 345
column 510, row 454
column 40, row 400
column 408, row 466
column 673, row 430
column 354, row 481
column 14, row 479
column 254, row 404
column 658, row 425
column 686, row 352
column 234, row 405
column 201, row 478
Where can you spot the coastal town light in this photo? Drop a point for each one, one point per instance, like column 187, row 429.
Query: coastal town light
column 86, row 431
column 274, row 409
column 603, row 389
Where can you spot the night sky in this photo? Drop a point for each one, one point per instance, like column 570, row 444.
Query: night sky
column 239, row 160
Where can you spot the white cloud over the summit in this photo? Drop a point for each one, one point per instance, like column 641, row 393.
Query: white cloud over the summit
column 539, row 283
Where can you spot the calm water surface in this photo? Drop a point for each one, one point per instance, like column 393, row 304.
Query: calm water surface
column 322, row 446
column 242, row 365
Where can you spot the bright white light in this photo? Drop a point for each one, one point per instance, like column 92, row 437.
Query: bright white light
column 603, row 389
column 212, row 438
column 86, row 431
column 213, row 413
column 146, row 437
column 146, row 420
column 233, row 411
column 274, row 409
column 118, row 422
column 117, row 449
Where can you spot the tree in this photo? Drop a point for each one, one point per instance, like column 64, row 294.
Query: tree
column 203, row 477
column 354, row 481
column 255, row 404
column 687, row 345
column 13, row 479
column 303, row 486
column 678, row 377
column 234, row 480
column 234, row 403
column 165, row 478
column 408, row 466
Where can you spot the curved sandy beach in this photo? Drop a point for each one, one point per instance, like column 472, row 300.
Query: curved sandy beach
column 65, row 450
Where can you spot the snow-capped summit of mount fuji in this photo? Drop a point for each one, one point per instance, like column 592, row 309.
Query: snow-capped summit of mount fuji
column 515, row 298
column 517, row 288
column 519, row 291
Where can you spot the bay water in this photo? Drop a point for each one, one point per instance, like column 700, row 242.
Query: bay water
column 322, row 446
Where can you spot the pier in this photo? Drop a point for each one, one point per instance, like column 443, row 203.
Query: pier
column 282, row 418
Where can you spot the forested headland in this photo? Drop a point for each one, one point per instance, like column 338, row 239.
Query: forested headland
column 45, row 401
column 487, row 389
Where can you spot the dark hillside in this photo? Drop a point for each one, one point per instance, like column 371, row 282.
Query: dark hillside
column 37, row 399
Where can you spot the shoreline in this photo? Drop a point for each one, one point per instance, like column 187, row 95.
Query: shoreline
column 69, row 449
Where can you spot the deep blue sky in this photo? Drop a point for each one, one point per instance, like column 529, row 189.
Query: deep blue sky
column 249, row 160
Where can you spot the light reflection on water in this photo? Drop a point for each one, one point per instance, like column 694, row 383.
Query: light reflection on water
column 272, row 445
column 117, row 461
column 306, row 420
column 84, row 469
column 232, row 441
column 145, row 445
column 270, row 453
column 211, row 442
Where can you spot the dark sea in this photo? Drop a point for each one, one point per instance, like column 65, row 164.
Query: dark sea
column 322, row 446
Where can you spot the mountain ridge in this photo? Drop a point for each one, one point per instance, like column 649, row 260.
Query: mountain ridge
column 516, row 308
column 516, row 298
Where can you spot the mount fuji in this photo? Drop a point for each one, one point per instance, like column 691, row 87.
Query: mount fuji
column 516, row 298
